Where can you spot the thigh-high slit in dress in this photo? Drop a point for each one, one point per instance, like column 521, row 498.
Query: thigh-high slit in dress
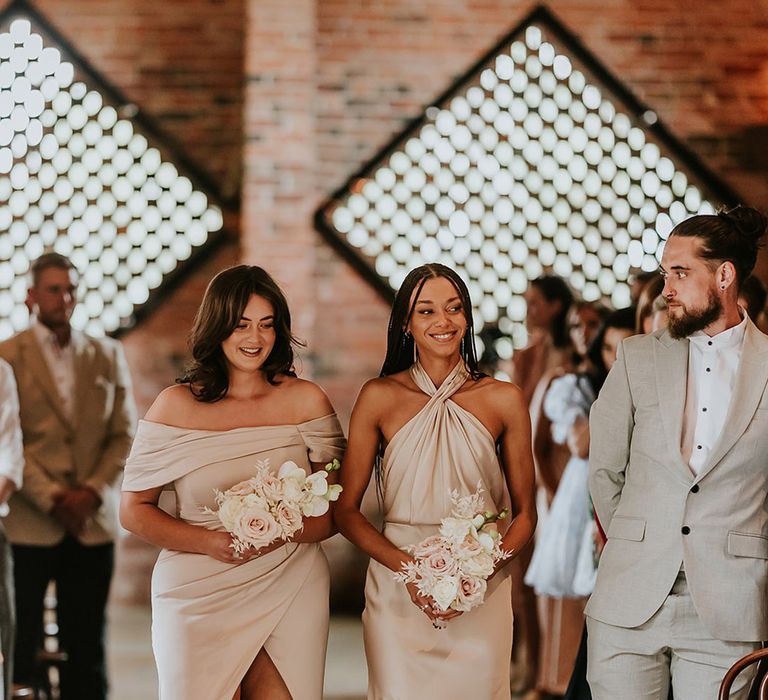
column 210, row 619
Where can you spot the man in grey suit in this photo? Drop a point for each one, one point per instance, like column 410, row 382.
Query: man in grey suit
column 679, row 480
column 77, row 421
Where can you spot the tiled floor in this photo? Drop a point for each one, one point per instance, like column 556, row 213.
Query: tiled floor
column 132, row 669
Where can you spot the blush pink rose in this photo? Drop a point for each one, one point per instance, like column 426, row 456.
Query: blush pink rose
column 431, row 545
column 439, row 564
column 256, row 528
column 468, row 548
column 289, row 519
column 471, row 593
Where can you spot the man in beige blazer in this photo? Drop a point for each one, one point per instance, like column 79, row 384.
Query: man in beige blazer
column 679, row 480
column 77, row 420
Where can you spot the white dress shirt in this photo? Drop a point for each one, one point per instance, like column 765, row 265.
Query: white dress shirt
column 713, row 363
column 11, row 449
column 61, row 363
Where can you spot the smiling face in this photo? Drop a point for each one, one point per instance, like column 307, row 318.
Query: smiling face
column 690, row 286
column 249, row 345
column 438, row 322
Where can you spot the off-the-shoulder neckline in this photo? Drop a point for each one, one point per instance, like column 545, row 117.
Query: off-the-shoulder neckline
column 155, row 424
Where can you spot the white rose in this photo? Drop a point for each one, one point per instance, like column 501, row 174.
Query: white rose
column 481, row 565
column 455, row 529
column 486, row 541
column 229, row 512
column 444, row 591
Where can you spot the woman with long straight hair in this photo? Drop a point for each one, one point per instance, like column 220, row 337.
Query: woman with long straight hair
column 228, row 625
column 433, row 423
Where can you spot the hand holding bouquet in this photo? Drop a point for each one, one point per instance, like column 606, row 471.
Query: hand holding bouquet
column 268, row 507
column 453, row 566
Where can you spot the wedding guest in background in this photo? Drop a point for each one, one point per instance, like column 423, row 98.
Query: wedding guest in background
column 574, row 572
column 560, row 616
column 77, row 420
column 548, row 299
column 549, row 350
column 678, row 480
column 228, row 625
column 11, row 473
column 645, row 304
column 638, row 283
column 429, row 424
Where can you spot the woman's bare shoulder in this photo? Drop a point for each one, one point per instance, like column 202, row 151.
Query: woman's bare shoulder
column 173, row 406
column 309, row 398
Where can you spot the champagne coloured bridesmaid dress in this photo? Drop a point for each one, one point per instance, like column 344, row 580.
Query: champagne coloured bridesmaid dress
column 443, row 447
column 210, row 619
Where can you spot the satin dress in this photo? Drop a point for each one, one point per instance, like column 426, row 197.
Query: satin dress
column 210, row 619
column 443, row 447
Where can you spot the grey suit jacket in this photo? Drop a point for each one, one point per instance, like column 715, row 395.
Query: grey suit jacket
column 645, row 494
column 88, row 448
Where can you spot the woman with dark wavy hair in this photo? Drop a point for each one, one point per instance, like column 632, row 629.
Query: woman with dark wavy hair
column 430, row 424
column 228, row 625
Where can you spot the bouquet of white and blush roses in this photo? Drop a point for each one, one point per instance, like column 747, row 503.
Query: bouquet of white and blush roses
column 269, row 506
column 453, row 566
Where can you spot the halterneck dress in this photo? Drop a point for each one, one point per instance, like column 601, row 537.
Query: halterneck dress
column 210, row 619
column 443, row 447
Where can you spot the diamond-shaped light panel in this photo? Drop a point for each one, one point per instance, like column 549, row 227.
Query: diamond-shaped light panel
column 77, row 178
column 529, row 168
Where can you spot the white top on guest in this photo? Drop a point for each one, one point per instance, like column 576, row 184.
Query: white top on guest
column 11, row 448
column 60, row 361
column 713, row 362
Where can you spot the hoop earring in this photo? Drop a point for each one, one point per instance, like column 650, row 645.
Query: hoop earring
column 461, row 347
column 415, row 353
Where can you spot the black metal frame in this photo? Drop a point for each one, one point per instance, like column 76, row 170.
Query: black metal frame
column 168, row 147
column 710, row 181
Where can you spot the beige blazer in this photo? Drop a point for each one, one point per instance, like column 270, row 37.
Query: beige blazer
column 87, row 449
column 645, row 494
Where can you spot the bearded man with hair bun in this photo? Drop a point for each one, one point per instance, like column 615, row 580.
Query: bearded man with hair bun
column 678, row 479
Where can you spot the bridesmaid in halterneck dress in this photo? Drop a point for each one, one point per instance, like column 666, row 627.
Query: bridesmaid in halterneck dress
column 227, row 626
column 436, row 424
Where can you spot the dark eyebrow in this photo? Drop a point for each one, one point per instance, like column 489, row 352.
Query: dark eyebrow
column 265, row 318
column 429, row 301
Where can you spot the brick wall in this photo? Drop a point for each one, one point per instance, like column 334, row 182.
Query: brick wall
column 296, row 94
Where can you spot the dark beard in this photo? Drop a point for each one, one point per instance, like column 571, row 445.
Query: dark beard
column 696, row 321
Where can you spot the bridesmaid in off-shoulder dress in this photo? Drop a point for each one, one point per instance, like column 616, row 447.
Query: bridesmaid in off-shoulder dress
column 227, row 626
column 442, row 425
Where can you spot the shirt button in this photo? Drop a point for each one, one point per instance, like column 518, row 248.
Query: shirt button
column 708, row 370
column 685, row 529
column 695, row 488
column 704, row 409
column 709, row 342
column 698, row 447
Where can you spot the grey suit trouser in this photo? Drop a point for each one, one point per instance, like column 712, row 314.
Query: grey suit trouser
column 672, row 648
